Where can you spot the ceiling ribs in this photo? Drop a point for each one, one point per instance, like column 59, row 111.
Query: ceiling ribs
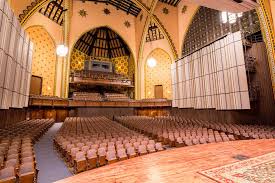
column 102, row 42
column 54, row 11
column 125, row 5
column 171, row 2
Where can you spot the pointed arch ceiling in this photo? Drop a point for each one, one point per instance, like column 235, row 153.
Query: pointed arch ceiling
column 102, row 42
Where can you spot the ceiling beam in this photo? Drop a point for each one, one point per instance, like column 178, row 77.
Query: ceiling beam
column 108, row 43
column 93, row 42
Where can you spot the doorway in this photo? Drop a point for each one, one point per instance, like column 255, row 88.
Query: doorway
column 158, row 91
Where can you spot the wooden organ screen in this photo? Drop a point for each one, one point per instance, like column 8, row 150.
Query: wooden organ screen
column 16, row 51
column 212, row 77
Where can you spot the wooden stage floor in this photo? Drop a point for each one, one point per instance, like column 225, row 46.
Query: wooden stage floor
column 179, row 165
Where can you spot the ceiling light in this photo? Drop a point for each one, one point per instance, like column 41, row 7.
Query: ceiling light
column 151, row 62
column 62, row 50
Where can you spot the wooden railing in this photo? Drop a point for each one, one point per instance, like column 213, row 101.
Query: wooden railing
column 87, row 103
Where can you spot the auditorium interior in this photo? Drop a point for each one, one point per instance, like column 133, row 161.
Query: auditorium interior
column 137, row 91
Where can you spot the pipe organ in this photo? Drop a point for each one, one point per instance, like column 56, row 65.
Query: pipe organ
column 16, row 51
column 212, row 77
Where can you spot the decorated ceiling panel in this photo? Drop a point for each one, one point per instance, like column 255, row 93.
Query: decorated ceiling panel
column 54, row 10
column 125, row 5
column 171, row 2
column 102, row 42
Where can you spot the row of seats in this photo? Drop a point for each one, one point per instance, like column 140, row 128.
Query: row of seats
column 86, row 143
column 17, row 157
column 97, row 75
column 172, row 132
column 87, row 96
column 181, row 131
column 116, row 97
column 242, row 130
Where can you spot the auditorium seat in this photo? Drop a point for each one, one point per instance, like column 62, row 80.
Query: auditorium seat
column 104, row 140
column 91, row 158
column 16, row 146
column 80, row 163
column 7, row 175
column 121, row 153
column 26, row 173
column 87, row 96
column 111, row 157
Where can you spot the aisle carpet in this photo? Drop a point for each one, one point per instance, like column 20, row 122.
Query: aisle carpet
column 51, row 167
column 260, row 169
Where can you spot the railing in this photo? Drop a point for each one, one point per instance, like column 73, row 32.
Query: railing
column 89, row 103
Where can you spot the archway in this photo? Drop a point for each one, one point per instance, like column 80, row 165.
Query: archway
column 44, row 58
column 158, row 74
column 103, row 45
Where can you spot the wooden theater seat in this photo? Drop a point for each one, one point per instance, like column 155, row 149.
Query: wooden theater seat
column 80, row 163
column 91, row 158
column 158, row 146
column 142, row 150
column 111, row 157
column 121, row 153
column 101, row 156
column 151, row 148
column 7, row 175
column 131, row 152
column 26, row 173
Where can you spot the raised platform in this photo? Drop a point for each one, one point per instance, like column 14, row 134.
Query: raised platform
column 87, row 103
column 176, row 165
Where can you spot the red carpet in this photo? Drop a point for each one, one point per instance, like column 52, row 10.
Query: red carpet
column 260, row 169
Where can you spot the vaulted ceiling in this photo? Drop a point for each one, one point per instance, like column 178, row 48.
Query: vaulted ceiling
column 102, row 42
column 126, row 5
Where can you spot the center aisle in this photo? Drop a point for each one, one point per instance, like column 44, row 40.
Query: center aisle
column 51, row 167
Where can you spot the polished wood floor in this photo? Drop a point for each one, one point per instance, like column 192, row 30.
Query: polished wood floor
column 178, row 165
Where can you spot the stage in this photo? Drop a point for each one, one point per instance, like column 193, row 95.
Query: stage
column 176, row 165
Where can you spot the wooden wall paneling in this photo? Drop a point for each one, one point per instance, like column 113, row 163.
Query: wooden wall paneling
column 61, row 114
column 50, row 114
column 11, row 116
column 37, row 114
column 104, row 111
